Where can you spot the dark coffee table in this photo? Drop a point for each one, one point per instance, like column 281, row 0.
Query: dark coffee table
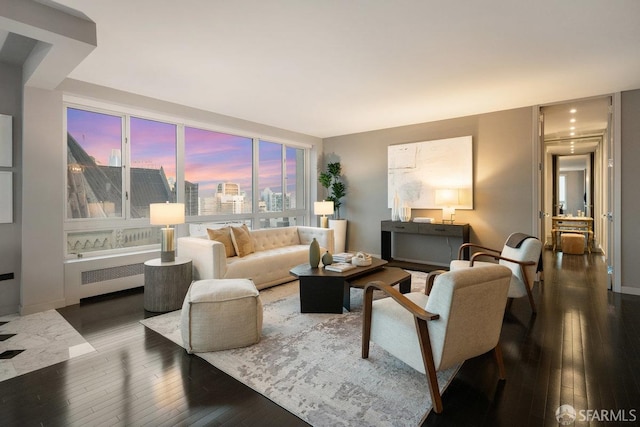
column 323, row 291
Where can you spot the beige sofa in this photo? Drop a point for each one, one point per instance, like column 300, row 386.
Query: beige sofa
column 276, row 251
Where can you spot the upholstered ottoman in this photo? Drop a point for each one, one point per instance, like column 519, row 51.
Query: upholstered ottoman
column 219, row 314
column 573, row 243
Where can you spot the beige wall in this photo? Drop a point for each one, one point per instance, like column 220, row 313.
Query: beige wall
column 503, row 175
column 10, row 243
column 630, row 191
column 42, row 201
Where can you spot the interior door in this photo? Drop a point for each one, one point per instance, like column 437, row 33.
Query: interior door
column 608, row 229
column 544, row 171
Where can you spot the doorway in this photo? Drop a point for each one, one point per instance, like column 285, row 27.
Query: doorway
column 575, row 182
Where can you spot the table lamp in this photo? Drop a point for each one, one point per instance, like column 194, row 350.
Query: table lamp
column 166, row 214
column 447, row 198
column 323, row 208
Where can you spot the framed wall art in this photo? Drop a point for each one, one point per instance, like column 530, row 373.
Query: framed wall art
column 416, row 170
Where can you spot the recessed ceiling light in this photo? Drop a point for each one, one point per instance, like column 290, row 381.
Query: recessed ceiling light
column 572, row 120
column 573, row 111
column 572, row 134
column 572, row 128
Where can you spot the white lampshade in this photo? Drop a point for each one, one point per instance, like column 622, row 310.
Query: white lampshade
column 447, row 197
column 166, row 213
column 323, row 208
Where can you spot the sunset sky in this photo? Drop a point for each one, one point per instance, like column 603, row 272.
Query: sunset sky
column 210, row 157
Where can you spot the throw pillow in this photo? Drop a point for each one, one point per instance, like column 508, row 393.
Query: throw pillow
column 222, row 235
column 242, row 241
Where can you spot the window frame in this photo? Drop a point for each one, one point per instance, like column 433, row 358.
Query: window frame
column 301, row 214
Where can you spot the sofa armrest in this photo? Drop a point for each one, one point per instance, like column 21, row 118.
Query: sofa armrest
column 324, row 236
column 208, row 256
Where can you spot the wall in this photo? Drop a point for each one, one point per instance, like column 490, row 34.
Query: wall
column 42, row 201
column 630, row 191
column 503, row 175
column 10, row 243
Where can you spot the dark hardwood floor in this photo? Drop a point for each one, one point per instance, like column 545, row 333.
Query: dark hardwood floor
column 582, row 348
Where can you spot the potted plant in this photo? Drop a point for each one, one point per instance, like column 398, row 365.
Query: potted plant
column 331, row 180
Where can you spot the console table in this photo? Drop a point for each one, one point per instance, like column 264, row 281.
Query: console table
column 387, row 228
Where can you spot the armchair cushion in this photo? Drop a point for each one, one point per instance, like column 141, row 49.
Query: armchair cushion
column 393, row 320
column 516, row 286
column 471, row 306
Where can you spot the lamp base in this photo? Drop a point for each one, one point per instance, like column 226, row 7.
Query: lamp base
column 448, row 213
column 324, row 222
column 167, row 256
column 167, row 248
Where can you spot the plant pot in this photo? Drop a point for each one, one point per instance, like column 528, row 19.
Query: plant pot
column 339, row 227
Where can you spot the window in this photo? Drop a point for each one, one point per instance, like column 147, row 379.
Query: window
column 218, row 173
column 562, row 194
column 118, row 164
column 153, row 165
column 294, row 180
column 94, row 165
column 272, row 196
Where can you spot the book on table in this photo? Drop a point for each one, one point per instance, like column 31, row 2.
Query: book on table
column 340, row 267
column 342, row 257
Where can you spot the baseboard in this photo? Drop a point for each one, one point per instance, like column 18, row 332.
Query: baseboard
column 630, row 290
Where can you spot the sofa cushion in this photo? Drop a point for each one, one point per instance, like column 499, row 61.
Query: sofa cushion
column 242, row 241
column 223, row 235
column 271, row 238
column 268, row 266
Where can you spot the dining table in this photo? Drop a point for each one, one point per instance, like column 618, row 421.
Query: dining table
column 572, row 224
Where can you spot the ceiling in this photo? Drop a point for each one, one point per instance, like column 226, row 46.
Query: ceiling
column 575, row 127
column 334, row 67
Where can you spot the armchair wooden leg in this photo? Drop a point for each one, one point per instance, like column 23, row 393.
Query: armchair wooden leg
column 427, row 358
column 509, row 302
column 366, row 321
column 497, row 351
column 530, row 295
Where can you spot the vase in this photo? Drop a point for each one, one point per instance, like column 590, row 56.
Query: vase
column 314, row 253
column 405, row 213
column 339, row 227
column 394, row 208
column 327, row 258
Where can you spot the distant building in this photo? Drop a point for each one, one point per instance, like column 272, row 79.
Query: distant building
column 229, row 198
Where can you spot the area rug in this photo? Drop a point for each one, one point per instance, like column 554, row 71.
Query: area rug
column 311, row 365
column 32, row 342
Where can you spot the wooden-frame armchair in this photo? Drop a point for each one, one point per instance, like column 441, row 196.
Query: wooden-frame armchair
column 460, row 318
column 521, row 257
